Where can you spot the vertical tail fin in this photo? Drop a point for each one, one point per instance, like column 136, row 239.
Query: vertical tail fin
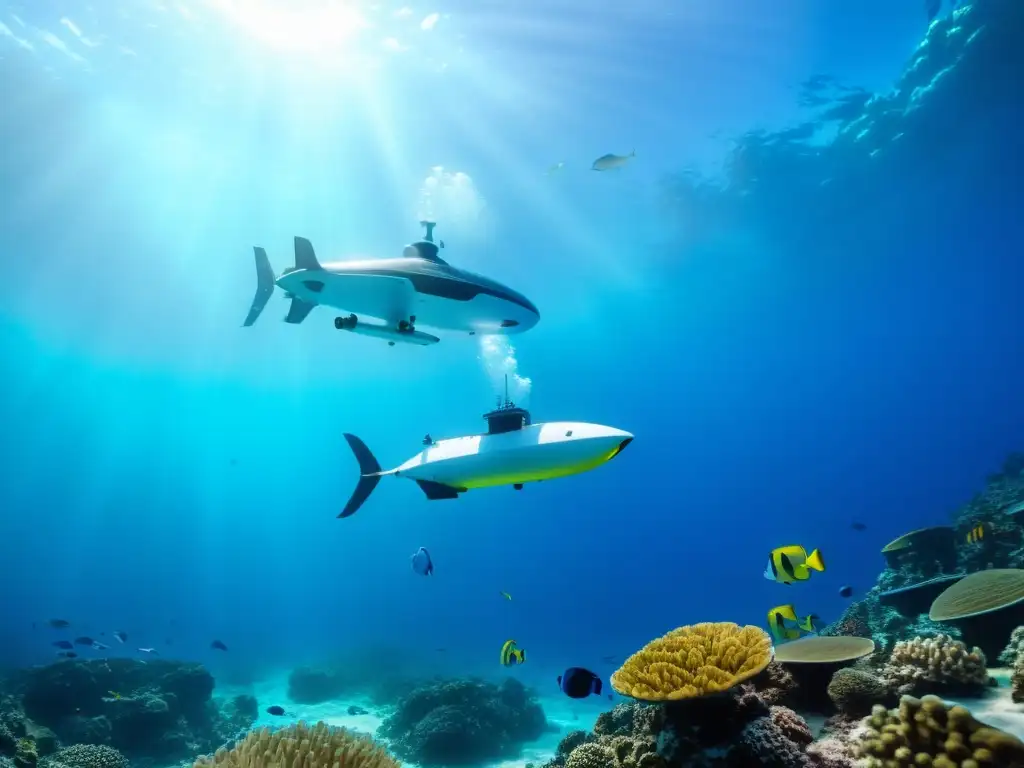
column 264, row 286
column 369, row 475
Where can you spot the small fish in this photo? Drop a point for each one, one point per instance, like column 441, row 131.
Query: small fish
column 555, row 168
column 275, row 710
column 421, row 562
column 67, row 654
column 845, row 591
column 114, row 694
column 84, row 640
column 355, row 711
column 506, row 595
column 120, row 636
column 609, row 697
column 777, row 618
column 98, row 646
column 578, row 683
column 58, row 623
column 978, row 532
column 63, row 644
column 610, row 162
column 792, row 563
column 217, row 645
column 149, row 650
column 858, row 526
column 511, row 655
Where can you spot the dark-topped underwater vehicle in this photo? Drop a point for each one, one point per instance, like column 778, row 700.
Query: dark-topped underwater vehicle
column 418, row 287
column 513, row 451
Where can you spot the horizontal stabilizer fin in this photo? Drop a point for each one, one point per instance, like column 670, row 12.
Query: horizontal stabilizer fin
column 264, row 286
column 298, row 310
column 437, row 491
column 369, row 475
column 305, row 257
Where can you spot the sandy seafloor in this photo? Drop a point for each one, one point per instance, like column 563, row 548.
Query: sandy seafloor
column 563, row 715
column 994, row 708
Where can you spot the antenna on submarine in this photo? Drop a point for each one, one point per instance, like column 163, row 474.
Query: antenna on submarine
column 429, row 226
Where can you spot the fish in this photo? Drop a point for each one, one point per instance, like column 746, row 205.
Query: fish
column 67, row 654
column 120, row 636
column 609, row 658
column 610, row 162
column 63, row 644
column 421, row 562
column 98, row 646
column 845, row 591
column 58, row 623
column 777, row 618
column 511, row 654
column 275, row 710
column 149, row 650
column 578, row 683
column 506, row 595
column 792, row 563
column 354, row 710
column 217, row 645
column 978, row 532
column 858, row 526
column 555, row 168
column 84, row 640
column 114, row 694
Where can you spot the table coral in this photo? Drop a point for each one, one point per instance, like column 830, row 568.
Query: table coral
column 938, row 663
column 694, row 661
column 927, row 731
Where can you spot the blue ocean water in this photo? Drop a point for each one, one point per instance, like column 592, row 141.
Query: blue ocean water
column 787, row 367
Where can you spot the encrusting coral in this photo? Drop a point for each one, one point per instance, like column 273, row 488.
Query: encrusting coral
column 927, row 732
column 694, row 661
column 302, row 746
column 935, row 663
column 855, row 691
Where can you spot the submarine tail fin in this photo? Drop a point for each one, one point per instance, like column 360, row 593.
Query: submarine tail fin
column 305, row 256
column 369, row 475
column 264, row 286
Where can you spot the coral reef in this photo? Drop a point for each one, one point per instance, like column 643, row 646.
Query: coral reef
column 302, row 746
column 735, row 729
column 1013, row 647
column 87, row 756
column 457, row 722
column 869, row 617
column 693, row 661
column 929, row 732
column 938, row 664
column 854, row 691
column 1017, row 679
column 923, row 554
column 160, row 710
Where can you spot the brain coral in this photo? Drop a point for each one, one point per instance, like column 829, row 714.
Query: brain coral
column 88, row 756
column 926, row 732
column 854, row 691
column 300, row 746
column 694, row 661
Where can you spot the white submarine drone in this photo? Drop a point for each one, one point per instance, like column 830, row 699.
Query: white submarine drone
column 513, row 451
column 399, row 292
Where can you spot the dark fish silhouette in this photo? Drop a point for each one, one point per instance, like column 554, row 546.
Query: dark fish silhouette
column 84, row 640
column 275, row 710
column 58, row 623
column 845, row 591
column 858, row 526
column 354, row 710
column 63, row 644
column 67, row 654
column 217, row 645
column 578, row 683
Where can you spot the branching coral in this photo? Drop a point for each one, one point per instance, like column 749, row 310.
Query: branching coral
column 301, row 746
column 854, row 691
column 934, row 662
column 694, row 661
column 928, row 732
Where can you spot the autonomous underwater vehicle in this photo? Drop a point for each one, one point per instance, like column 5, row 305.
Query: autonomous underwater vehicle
column 513, row 451
column 399, row 292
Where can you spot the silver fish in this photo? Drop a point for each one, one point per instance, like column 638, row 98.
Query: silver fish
column 610, row 162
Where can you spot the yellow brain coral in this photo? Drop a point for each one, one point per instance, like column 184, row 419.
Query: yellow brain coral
column 694, row 661
column 302, row 746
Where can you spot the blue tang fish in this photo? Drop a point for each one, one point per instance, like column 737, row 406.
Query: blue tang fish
column 421, row 562
column 578, row 683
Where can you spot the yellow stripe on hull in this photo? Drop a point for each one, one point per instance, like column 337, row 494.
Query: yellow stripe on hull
column 512, row 478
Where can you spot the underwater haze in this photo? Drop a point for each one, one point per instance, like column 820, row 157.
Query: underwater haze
column 802, row 296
